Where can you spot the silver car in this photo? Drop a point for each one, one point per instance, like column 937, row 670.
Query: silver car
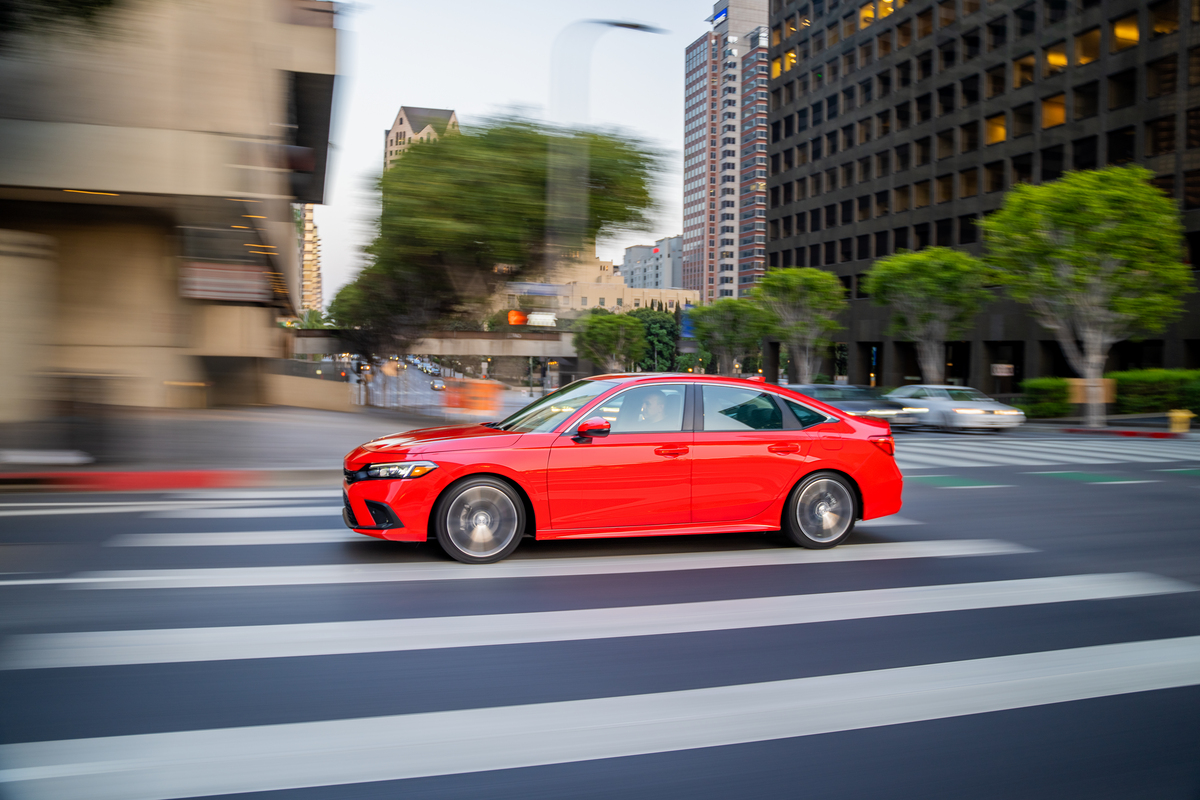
column 953, row 408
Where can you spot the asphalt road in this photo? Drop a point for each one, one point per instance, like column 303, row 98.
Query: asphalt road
column 1021, row 630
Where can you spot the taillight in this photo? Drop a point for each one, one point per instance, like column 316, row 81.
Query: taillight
column 885, row 443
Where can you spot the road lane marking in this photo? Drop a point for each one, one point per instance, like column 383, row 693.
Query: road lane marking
column 248, row 513
column 233, row 538
column 177, row 764
column 250, row 494
column 319, row 574
column 1089, row 477
column 955, row 482
column 163, row 646
column 161, row 506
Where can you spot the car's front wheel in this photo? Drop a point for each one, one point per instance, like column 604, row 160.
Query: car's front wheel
column 820, row 511
column 480, row 520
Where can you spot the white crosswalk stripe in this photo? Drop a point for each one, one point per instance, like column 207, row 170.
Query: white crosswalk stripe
column 921, row 453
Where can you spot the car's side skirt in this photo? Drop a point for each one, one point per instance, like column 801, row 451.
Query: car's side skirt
column 665, row 530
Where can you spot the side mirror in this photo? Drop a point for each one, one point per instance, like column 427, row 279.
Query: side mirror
column 591, row 428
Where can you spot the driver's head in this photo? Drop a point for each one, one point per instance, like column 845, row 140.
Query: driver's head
column 654, row 407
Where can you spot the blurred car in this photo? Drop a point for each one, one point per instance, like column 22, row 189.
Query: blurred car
column 438, row 385
column 956, row 407
column 628, row 455
column 862, row 401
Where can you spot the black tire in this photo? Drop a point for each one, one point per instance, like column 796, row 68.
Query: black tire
column 820, row 512
column 479, row 520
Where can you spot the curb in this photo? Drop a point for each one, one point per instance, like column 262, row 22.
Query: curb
column 1118, row 432
column 165, row 480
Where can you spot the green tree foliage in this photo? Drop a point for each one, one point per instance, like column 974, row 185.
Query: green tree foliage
column 730, row 329
column 464, row 212
column 615, row 341
column 801, row 305
column 313, row 319
column 934, row 295
column 1097, row 256
column 661, row 332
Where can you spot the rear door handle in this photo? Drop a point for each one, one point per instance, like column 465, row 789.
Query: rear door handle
column 671, row 452
column 784, row 449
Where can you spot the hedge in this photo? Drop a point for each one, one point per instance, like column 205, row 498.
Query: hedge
column 1045, row 397
column 1145, row 391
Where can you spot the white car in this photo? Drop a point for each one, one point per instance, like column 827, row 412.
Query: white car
column 956, row 408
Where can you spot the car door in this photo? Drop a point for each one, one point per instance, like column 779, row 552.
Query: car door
column 638, row 475
column 748, row 450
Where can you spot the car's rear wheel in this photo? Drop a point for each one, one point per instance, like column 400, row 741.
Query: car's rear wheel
column 480, row 520
column 820, row 511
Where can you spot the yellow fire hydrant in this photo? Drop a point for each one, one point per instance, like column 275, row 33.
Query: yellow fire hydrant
column 1181, row 419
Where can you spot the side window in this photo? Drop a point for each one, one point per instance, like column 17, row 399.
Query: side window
column 646, row 409
column 903, row 391
column 729, row 408
column 806, row 415
column 919, row 394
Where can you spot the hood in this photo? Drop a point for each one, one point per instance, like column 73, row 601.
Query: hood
column 433, row 440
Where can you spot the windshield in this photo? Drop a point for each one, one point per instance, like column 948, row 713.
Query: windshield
column 545, row 415
column 966, row 395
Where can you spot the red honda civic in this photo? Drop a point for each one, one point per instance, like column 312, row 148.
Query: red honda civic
column 628, row 455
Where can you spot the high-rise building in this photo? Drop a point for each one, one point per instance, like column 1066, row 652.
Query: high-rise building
column 715, row 132
column 656, row 266
column 310, row 277
column 414, row 124
column 896, row 126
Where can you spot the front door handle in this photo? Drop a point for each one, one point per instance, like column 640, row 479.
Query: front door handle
column 671, row 452
column 784, row 449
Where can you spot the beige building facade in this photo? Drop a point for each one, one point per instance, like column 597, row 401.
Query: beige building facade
column 311, row 292
column 147, row 179
column 586, row 283
column 414, row 124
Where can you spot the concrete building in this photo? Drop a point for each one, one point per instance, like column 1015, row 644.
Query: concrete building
column 147, row 180
column 722, row 120
column 311, row 290
column 897, row 125
column 414, row 124
column 656, row 266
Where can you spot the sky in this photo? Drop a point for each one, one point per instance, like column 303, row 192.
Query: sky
column 486, row 58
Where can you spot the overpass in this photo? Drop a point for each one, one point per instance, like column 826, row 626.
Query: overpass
column 485, row 344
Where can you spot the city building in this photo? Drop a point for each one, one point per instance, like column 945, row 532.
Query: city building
column 311, row 290
column 897, row 125
column 148, row 171
column 723, row 117
column 656, row 266
column 414, row 124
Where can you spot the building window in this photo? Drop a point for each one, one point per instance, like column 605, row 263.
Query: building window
column 920, row 194
column 1053, row 161
column 971, row 46
column 1160, row 136
column 944, row 232
column 881, row 244
column 1121, row 145
column 1124, row 32
column 921, row 236
column 945, row 188
column 1194, row 65
column 881, row 204
column 1087, row 100
column 996, row 129
column 900, row 239
column 1054, row 59
column 863, row 246
column 946, row 13
column 902, row 157
column 945, row 144
column 883, row 42
column 901, row 199
column 1056, row 11
column 945, row 99
column 947, row 55
column 583, row 302
column 883, row 163
column 1122, row 89
column 1087, row 47
column 968, row 183
column 1085, row 152
column 1160, row 76
column 997, row 34
column 1023, row 168
column 904, row 34
column 1193, row 128
column 924, row 65
column 969, row 137
column 967, row 232
column 1165, row 184
column 1191, row 189
column 924, row 152
column 924, row 108
column 1164, row 17
column 1023, row 68
column 925, row 24
column 995, row 81
column 993, row 177
column 1054, row 110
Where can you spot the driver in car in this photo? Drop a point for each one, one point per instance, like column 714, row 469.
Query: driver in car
column 654, row 410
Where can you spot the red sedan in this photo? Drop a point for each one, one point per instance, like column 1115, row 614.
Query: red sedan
column 628, row 455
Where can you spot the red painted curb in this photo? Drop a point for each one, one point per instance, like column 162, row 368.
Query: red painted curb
column 1111, row 432
column 136, row 481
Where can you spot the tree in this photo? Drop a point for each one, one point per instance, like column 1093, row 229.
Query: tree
column 615, row 340
column 313, row 319
column 730, row 329
column 462, row 213
column 802, row 304
column 661, row 332
column 935, row 295
column 1097, row 256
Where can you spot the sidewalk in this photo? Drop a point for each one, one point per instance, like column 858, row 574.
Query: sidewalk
column 159, row 449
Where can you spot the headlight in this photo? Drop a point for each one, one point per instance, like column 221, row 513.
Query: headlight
column 405, row 469
column 1013, row 413
column 882, row 412
column 968, row 411
column 907, row 410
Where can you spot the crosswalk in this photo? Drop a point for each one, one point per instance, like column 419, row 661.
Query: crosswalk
column 925, row 452
column 343, row 717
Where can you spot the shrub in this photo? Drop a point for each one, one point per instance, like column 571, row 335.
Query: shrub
column 1189, row 396
column 1045, row 397
column 1142, row 391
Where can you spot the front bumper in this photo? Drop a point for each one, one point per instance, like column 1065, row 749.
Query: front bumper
column 393, row 509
